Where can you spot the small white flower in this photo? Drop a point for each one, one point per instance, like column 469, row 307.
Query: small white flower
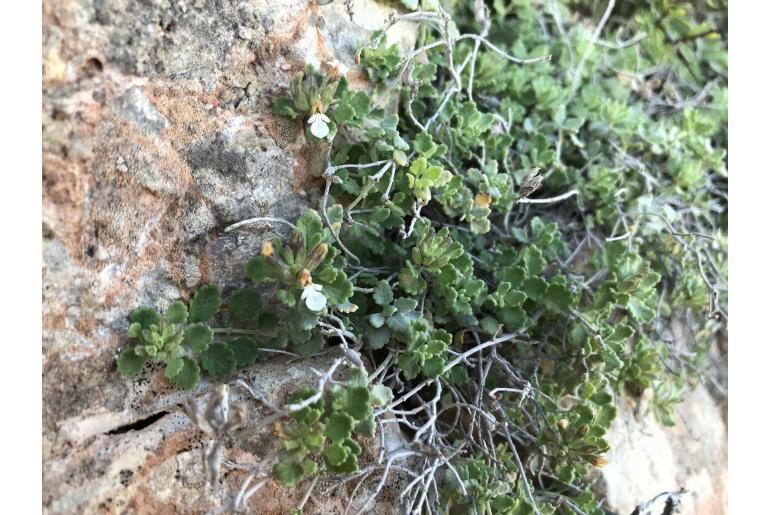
column 314, row 299
column 319, row 125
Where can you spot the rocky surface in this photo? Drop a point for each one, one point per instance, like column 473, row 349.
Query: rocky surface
column 647, row 459
column 157, row 134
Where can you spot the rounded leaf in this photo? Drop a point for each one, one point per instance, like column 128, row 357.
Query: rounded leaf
column 336, row 454
column 173, row 367
column 130, row 363
column 338, row 426
column 218, row 360
column 358, row 403
column 189, row 376
column 145, row 316
column 198, row 337
column 205, row 303
column 244, row 304
column 245, row 351
column 177, row 312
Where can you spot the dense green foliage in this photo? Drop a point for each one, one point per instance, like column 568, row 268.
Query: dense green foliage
column 431, row 255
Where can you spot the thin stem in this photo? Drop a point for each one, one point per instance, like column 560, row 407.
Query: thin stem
column 551, row 200
column 267, row 219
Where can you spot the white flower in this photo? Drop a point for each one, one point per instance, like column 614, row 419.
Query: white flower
column 319, row 125
column 314, row 299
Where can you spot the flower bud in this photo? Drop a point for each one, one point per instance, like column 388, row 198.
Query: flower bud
column 305, row 278
column 317, row 256
column 296, row 241
column 599, row 461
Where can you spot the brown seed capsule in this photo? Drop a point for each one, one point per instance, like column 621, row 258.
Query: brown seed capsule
column 267, row 249
column 530, row 184
column 582, row 432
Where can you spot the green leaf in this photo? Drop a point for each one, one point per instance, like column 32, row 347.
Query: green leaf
column 288, row 473
column 514, row 298
column 344, row 113
column 434, row 366
column 218, row 360
column 380, row 395
column 424, row 145
column 310, row 224
column 382, row 295
column 245, row 351
column 198, row 337
column 336, row 454
column 189, row 376
column 367, row 427
column 129, row 363
column 259, row 270
column 284, row 105
column 339, row 426
column 358, row 403
column 376, row 320
column 134, row 330
column 244, row 304
column 457, row 376
column 559, row 297
column 177, row 312
column 377, row 337
column 173, row 367
column 639, row 310
column 145, row 316
column 410, row 281
column 348, row 466
column 534, row 287
column 205, row 303
column 533, row 260
column 339, row 291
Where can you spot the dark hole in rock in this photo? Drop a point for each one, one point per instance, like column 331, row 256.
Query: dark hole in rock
column 92, row 67
column 138, row 425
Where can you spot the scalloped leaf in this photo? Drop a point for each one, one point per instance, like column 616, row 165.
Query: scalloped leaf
column 288, row 473
column 177, row 312
column 336, row 454
column 189, row 376
column 358, row 403
column 244, row 304
column 198, row 336
column 130, row 363
column 173, row 367
column 245, row 351
column 339, row 426
column 383, row 294
column 259, row 270
column 218, row 360
column 145, row 316
column 205, row 303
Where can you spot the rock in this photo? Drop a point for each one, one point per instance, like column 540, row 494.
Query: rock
column 144, row 165
column 647, row 459
column 153, row 464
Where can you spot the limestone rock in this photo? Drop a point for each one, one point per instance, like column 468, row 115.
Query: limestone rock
column 647, row 459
